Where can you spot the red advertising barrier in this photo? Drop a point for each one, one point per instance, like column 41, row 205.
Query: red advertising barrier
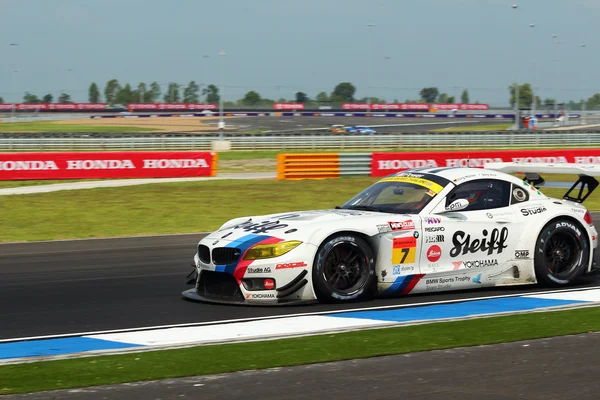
column 99, row 165
column 54, row 106
column 469, row 107
column 288, row 106
column 414, row 106
column 171, row 106
column 383, row 164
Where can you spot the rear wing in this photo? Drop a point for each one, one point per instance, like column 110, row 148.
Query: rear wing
column 582, row 189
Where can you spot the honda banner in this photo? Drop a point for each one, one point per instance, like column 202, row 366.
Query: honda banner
column 101, row 165
column 383, row 164
column 54, row 106
column 468, row 107
column 171, row 106
column 414, row 107
column 288, row 106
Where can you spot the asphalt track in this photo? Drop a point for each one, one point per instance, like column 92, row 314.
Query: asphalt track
column 106, row 284
column 301, row 123
column 549, row 369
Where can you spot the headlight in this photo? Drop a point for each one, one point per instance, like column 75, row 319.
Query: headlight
column 271, row 250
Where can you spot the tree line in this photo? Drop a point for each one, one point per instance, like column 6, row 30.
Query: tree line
column 115, row 93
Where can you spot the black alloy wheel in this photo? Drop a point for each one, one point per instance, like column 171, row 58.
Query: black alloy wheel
column 562, row 253
column 344, row 269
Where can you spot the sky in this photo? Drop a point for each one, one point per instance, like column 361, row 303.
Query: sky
column 279, row 47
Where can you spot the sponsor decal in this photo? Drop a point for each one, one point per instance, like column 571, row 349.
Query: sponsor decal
column 433, row 266
column 435, row 229
column 258, row 270
column 269, row 284
column 434, row 253
column 532, row 210
column 443, row 283
column 415, row 234
column 452, row 206
column 262, row 227
column 476, row 279
column 402, row 269
column 495, row 243
column 383, row 228
column 578, row 210
column 260, row 295
column 434, row 239
column 475, row 263
column 299, row 264
column 433, row 220
column 404, row 250
column 521, row 253
column 480, row 263
column 414, row 180
column 570, row 226
column 489, row 215
column 519, row 194
column 404, row 225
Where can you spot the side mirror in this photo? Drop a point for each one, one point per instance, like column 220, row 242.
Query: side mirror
column 458, row 205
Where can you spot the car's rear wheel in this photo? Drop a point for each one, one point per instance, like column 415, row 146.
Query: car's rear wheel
column 562, row 253
column 344, row 269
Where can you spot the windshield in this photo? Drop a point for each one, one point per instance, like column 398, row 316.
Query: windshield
column 396, row 194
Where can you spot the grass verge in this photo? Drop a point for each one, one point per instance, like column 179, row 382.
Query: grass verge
column 11, row 184
column 45, row 126
column 475, row 128
column 203, row 360
column 167, row 208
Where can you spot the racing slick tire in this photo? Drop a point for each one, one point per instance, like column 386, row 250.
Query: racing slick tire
column 561, row 253
column 344, row 269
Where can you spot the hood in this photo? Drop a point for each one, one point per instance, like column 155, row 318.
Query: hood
column 300, row 222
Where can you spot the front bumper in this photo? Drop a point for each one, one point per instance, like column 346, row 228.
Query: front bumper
column 223, row 288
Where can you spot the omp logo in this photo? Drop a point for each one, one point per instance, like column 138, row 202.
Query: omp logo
column 433, row 220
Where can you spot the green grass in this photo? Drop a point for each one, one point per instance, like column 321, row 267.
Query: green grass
column 471, row 128
column 167, row 208
column 163, row 208
column 11, row 184
column 203, row 360
column 45, row 126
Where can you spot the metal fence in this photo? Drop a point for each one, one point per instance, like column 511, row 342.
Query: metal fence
column 310, row 142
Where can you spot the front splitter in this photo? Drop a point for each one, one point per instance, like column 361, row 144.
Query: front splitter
column 191, row 294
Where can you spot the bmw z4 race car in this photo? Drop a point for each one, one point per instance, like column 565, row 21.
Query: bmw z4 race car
column 422, row 230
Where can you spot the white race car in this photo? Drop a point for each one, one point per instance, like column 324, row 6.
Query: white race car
column 423, row 230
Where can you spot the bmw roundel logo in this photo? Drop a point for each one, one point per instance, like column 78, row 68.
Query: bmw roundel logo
column 416, row 234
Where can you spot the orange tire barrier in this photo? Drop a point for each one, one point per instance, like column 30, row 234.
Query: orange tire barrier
column 308, row 166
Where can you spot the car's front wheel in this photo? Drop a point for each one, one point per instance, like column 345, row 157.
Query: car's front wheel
column 344, row 269
column 561, row 253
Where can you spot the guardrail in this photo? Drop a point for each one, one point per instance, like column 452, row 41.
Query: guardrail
column 310, row 141
column 322, row 165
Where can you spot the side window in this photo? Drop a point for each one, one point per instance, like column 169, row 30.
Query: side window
column 483, row 194
column 518, row 195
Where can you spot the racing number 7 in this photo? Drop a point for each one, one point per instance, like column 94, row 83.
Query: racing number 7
column 405, row 252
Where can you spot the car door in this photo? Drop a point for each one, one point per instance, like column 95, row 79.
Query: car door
column 483, row 235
